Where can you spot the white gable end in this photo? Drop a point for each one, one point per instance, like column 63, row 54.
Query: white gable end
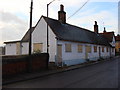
column 39, row 36
column 113, row 42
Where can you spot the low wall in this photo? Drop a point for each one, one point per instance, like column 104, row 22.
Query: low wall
column 15, row 65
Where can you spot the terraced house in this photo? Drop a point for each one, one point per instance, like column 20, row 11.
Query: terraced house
column 68, row 44
column 117, row 46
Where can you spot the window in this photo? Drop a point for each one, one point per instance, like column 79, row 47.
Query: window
column 107, row 49
column 88, row 49
column 80, row 48
column 95, row 48
column 68, row 47
column 37, row 47
column 102, row 49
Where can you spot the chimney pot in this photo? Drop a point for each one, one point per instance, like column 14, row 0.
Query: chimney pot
column 95, row 22
column 61, row 7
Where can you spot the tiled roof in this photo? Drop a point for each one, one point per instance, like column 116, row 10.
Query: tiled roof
column 26, row 36
column 108, row 35
column 117, row 38
column 73, row 33
column 11, row 42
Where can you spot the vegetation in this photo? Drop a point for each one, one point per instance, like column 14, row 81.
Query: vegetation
column 36, row 51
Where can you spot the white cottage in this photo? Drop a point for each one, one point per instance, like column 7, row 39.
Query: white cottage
column 68, row 44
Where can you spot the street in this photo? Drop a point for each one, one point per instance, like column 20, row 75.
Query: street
column 102, row 75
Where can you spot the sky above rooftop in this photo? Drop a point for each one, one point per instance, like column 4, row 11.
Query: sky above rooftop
column 14, row 15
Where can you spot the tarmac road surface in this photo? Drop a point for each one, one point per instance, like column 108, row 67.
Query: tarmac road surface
column 101, row 75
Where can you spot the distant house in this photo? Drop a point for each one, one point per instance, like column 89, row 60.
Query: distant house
column 117, row 46
column 18, row 47
column 68, row 44
column 110, row 36
column 2, row 50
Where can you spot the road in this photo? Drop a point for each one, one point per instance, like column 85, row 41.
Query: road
column 102, row 75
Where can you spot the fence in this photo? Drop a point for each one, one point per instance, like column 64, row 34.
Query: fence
column 14, row 65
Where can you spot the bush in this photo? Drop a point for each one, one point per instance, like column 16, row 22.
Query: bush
column 36, row 51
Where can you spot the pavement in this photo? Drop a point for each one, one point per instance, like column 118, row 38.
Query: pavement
column 50, row 71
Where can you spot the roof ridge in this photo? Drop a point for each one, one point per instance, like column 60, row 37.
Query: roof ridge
column 70, row 24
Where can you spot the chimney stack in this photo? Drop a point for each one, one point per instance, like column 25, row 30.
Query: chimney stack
column 62, row 15
column 104, row 30
column 96, row 27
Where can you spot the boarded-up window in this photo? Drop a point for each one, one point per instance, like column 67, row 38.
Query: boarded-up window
column 107, row 49
column 68, row 47
column 18, row 48
column 88, row 49
column 95, row 48
column 37, row 47
column 102, row 49
column 80, row 48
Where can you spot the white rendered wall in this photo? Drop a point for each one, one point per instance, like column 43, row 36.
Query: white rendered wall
column 10, row 49
column 71, row 55
column 25, row 47
column 52, row 46
column 105, row 53
column 93, row 55
column 74, row 55
column 113, row 52
column 113, row 42
column 39, row 35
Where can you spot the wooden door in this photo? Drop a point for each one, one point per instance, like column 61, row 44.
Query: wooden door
column 59, row 54
column 99, row 52
column 86, row 52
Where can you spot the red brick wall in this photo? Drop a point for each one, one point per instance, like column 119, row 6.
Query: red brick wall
column 39, row 62
column 14, row 65
column 13, row 68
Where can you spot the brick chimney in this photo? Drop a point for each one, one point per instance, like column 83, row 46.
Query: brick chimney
column 62, row 14
column 96, row 27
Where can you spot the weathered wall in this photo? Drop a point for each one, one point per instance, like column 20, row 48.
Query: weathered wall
column 25, row 47
column 39, row 35
column 13, row 65
column 10, row 49
column 71, row 58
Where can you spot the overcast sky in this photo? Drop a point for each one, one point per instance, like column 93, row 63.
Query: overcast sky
column 14, row 15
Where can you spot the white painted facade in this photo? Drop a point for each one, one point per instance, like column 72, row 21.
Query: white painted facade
column 24, row 48
column 10, row 49
column 75, row 57
column 113, row 41
column 39, row 35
